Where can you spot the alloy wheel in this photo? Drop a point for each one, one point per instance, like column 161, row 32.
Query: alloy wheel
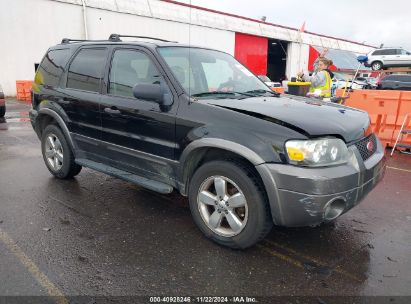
column 54, row 152
column 222, row 206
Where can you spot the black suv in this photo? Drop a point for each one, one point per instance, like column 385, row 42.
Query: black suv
column 168, row 116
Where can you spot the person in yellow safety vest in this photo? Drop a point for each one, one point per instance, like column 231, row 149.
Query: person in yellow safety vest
column 322, row 80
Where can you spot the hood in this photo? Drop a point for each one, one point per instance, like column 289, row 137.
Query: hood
column 309, row 117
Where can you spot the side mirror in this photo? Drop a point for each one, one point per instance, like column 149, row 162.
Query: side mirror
column 158, row 93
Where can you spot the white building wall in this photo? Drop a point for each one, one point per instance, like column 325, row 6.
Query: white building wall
column 29, row 27
column 102, row 23
column 297, row 58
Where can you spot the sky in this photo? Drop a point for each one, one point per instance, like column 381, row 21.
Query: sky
column 370, row 22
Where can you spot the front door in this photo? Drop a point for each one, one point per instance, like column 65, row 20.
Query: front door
column 389, row 57
column 403, row 58
column 138, row 134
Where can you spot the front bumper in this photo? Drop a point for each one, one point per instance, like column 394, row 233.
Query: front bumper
column 309, row 196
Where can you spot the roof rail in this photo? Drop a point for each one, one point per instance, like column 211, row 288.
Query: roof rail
column 67, row 40
column 116, row 38
column 391, row 47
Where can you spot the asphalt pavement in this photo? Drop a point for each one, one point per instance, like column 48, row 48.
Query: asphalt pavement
column 102, row 238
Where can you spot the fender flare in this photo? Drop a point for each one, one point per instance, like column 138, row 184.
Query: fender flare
column 218, row 143
column 61, row 123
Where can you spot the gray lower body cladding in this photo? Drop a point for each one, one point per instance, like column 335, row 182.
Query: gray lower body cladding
column 301, row 196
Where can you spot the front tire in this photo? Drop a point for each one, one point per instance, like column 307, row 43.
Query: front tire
column 229, row 205
column 377, row 65
column 57, row 153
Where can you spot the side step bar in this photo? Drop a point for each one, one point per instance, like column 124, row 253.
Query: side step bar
column 127, row 176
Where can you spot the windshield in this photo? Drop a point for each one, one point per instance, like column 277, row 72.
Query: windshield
column 203, row 72
column 264, row 78
column 340, row 76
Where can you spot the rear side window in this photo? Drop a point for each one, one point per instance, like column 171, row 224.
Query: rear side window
column 86, row 70
column 379, row 52
column 52, row 67
column 393, row 78
column 390, row 52
column 405, row 78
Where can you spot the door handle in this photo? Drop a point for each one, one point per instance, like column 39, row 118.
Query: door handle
column 112, row 110
column 63, row 101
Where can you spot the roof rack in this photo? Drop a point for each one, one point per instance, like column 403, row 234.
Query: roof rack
column 67, row 40
column 116, row 38
column 391, row 47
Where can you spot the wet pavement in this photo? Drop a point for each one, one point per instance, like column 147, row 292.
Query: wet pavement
column 97, row 235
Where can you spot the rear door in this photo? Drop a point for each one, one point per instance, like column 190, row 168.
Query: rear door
column 139, row 134
column 389, row 56
column 81, row 98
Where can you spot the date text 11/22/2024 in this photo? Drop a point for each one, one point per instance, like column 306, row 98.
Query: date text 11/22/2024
column 240, row 299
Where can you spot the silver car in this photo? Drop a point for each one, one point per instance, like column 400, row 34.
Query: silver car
column 388, row 57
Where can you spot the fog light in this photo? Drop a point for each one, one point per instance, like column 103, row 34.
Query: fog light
column 334, row 208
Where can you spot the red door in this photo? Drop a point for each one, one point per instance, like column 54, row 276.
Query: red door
column 252, row 52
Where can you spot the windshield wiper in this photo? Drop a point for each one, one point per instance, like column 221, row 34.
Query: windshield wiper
column 261, row 91
column 222, row 93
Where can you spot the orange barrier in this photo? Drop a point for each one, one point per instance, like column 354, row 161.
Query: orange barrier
column 23, row 88
column 382, row 107
column 280, row 90
column 403, row 110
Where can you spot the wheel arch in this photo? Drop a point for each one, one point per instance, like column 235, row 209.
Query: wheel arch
column 48, row 116
column 204, row 150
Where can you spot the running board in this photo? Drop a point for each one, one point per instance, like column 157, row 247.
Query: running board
column 127, row 176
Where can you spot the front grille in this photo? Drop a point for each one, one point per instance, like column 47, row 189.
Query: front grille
column 362, row 146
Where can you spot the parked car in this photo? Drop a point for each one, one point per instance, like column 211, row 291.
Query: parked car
column 388, row 57
column 268, row 81
column 340, row 82
column 370, row 82
column 395, row 82
column 245, row 157
column 2, row 103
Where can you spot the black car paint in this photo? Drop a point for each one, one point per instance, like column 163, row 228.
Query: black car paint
column 141, row 137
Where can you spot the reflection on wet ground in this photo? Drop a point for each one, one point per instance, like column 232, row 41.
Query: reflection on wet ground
column 97, row 235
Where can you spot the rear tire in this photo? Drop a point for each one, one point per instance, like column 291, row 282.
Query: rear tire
column 57, row 153
column 2, row 111
column 229, row 205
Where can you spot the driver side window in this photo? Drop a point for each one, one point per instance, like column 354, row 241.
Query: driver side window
column 217, row 73
column 129, row 68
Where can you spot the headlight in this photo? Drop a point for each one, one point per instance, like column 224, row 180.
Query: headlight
column 317, row 153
